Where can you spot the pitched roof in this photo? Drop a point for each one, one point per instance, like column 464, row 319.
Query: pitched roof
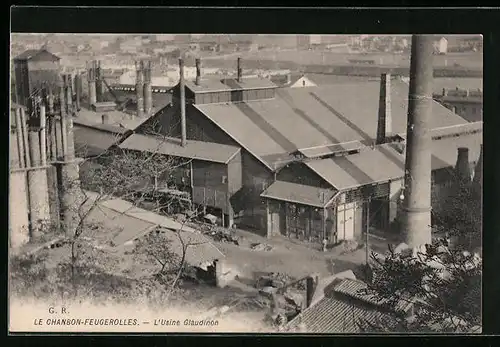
column 32, row 53
column 171, row 146
column 444, row 151
column 94, row 140
column 380, row 164
column 337, row 312
column 307, row 117
column 384, row 163
column 115, row 129
column 298, row 193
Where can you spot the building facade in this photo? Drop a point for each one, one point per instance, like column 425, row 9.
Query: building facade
column 309, row 164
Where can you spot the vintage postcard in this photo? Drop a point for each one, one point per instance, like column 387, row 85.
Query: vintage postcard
column 245, row 183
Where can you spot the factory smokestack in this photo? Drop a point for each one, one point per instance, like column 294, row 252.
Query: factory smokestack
column 462, row 167
column 239, row 70
column 182, row 92
column 92, row 87
column 417, row 200
column 78, row 90
column 98, row 73
column 69, row 94
column 198, row 71
column 148, row 92
column 139, row 87
column 384, row 127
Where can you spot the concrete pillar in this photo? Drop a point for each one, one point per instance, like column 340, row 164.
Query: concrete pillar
column 53, row 196
column 417, row 202
column 69, row 95
column 384, row 126
column 182, row 94
column 18, row 209
column 139, row 88
column 37, row 188
column 69, row 196
column 18, row 198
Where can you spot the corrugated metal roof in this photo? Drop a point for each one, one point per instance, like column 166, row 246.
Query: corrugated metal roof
column 133, row 221
column 336, row 316
column 380, row 164
column 344, row 307
column 115, row 117
column 99, row 126
column 32, row 53
column 171, row 146
column 316, row 116
column 91, row 141
column 319, row 151
column 444, row 151
column 298, row 193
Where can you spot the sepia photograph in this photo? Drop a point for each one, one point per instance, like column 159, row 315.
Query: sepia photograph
column 250, row 183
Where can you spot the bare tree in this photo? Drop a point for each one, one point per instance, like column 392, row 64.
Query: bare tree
column 133, row 176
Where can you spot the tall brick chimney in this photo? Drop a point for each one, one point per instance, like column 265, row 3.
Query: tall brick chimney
column 182, row 95
column 462, row 167
column 416, row 207
column 99, row 77
column 384, row 126
column 139, row 87
column 198, row 71
column 91, row 79
column 148, row 91
column 78, row 90
column 239, row 70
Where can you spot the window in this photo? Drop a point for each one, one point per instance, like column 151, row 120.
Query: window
column 224, row 179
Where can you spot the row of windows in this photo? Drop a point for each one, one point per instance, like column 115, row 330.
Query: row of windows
column 234, row 96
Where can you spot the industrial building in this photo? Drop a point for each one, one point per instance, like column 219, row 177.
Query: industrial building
column 465, row 102
column 310, row 163
column 32, row 69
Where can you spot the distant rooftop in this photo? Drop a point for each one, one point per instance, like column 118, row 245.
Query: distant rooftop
column 215, row 85
column 33, row 53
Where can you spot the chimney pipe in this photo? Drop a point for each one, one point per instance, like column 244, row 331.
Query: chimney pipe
column 148, row 92
column 182, row 92
column 105, row 119
column 311, row 283
column 239, row 70
column 417, row 202
column 139, row 88
column 69, row 95
column 78, row 90
column 462, row 166
column 98, row 76
column 92, row 86
column 384, row 127
column 198, row 71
